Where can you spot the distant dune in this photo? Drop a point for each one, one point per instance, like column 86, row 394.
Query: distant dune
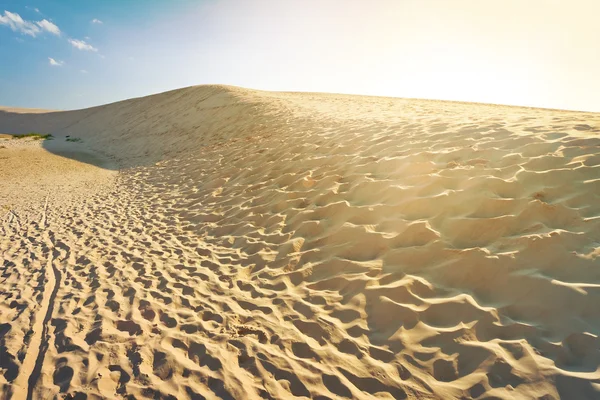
column 218, row 242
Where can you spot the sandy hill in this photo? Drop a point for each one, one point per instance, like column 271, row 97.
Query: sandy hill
column 217, row 242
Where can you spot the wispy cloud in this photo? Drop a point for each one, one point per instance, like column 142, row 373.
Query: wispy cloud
column 55, row 63
column 83, row 71
column 49, row 26
column 31, row 28
column 96, row 21
column 17, row 24
column 82, row 45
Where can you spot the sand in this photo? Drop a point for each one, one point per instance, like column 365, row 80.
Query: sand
column 218, row 242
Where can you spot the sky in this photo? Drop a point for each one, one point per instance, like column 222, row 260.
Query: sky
column 70, row 54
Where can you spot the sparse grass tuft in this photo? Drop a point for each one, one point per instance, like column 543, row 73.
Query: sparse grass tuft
column 73, row 139
column 34, row 136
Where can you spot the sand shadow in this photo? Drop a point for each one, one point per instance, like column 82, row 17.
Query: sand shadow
column 78, row 151
column 62, row 143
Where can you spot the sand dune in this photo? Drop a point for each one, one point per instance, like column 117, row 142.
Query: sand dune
column 217, row 242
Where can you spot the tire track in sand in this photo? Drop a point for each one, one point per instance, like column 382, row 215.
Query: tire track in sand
column 31, row 368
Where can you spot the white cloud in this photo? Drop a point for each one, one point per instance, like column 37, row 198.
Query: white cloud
column 55, row 63
column 17, row 24
column 96, row 21
column 83, row 71
column 31, row 28
column 37, row 10
column 49, row 26
column 82, row 45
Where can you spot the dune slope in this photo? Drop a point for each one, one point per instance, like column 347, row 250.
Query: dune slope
column 244, row 244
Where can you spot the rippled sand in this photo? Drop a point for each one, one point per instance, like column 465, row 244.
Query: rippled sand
column 218, row 242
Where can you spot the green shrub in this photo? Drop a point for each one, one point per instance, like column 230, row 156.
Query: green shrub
column 34, row 136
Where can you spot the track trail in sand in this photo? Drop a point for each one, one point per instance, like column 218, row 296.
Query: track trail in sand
column 34, row 358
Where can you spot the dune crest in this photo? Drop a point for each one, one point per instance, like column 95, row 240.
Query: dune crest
column 219, row 242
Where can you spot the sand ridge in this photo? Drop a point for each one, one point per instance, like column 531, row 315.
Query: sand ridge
column 270, row 245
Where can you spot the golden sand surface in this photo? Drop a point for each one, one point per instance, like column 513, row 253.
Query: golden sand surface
column 218, row 242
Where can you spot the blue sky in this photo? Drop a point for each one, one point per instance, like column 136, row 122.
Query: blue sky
column 66, row 54
column 86, row 58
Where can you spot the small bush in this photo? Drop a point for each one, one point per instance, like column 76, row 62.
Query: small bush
column 73, row 139
column 34, row 136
